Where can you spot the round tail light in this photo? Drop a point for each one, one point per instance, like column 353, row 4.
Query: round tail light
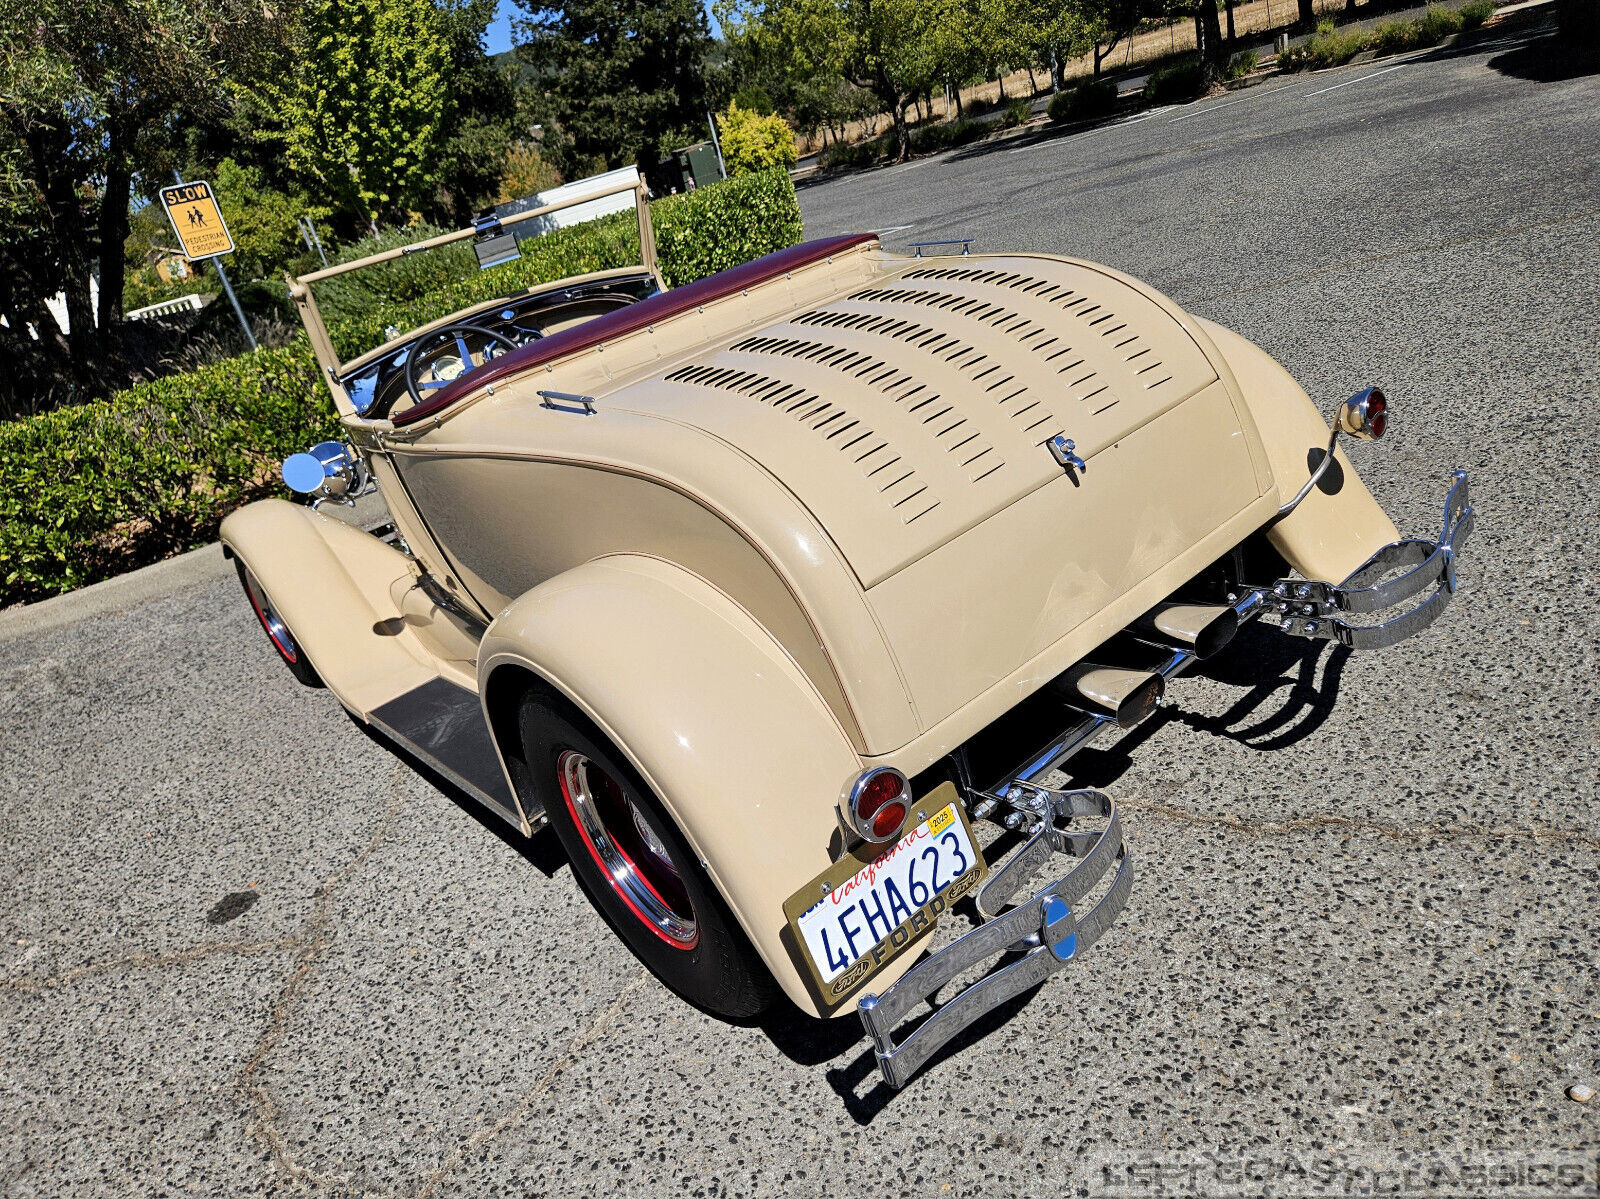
column 1365, row 414
column 876, row 803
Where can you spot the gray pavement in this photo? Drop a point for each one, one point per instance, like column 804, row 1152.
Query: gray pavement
column 1366, row 912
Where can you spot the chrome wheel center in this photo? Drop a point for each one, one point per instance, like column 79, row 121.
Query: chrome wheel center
column 633, row 856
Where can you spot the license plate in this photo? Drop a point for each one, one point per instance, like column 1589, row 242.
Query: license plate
column 858, row 915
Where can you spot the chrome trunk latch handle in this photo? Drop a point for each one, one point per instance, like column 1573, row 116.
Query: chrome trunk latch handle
column 1063, row 450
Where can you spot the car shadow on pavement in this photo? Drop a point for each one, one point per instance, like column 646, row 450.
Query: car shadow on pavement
column 1548, row 59
column 1269, row 666
column 541, row 851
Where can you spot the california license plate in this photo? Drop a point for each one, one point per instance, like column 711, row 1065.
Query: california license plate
column 858, row 915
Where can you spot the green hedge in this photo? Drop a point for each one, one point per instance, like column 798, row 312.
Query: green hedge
column 99, row 488
column 102, row 487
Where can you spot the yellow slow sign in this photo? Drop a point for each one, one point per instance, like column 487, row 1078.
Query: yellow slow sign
column 196, row 219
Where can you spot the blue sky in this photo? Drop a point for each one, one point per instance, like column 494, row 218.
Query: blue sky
column 498, row 37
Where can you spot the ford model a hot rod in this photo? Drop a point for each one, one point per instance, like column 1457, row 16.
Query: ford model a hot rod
column 780, row 595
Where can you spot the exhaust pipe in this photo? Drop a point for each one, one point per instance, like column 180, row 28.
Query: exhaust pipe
column 1125, row 696
column 1199, row 629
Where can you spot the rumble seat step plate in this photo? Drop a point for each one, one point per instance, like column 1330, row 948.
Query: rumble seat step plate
column 443, row 725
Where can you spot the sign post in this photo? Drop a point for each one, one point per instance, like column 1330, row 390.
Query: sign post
column 203, row 233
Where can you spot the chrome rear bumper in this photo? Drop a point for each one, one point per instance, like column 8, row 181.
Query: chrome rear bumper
column 1308, row 608
column 1043, row 931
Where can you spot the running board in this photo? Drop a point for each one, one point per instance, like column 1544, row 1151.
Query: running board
column 443, row 725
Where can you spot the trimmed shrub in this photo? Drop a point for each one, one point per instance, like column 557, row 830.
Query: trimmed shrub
column 1241, row 64
column 847, row 155
column 1328, row 47
column 103, row 487
column 752, row 142
column 1091, row 98
column 1180, row 80
column 1476, row 13
column 1017, row 113
column 106, row 486
column 947, row 136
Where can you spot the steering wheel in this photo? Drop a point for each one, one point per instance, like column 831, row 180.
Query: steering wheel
column 435, row 351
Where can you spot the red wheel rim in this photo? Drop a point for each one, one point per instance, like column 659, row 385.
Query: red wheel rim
column 270, row 620
column 632, row 856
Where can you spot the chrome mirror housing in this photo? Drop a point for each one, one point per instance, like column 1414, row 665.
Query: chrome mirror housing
column 328, row 470
column 1364, row 415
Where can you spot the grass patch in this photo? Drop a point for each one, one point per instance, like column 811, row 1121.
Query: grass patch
column 1327, row 47
column 1330, row 47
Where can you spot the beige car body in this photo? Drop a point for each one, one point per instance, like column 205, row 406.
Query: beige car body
column 755, row 606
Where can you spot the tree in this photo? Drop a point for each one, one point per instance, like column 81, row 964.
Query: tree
column 87, row 89
column 618, row 78
column 361, row 110
column 481, row 121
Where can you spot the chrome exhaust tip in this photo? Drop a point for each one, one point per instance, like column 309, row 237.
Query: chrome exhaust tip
column 1125, row 696
column 1199, row 629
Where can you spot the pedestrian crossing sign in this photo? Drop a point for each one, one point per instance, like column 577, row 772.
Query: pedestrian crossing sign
column 196, row 219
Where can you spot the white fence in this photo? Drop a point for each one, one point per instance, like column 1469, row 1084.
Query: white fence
column 190, row 303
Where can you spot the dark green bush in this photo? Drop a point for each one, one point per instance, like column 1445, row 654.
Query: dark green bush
column 1180, row 80
column 1328, row 47
column 848, row 155
column 1091, row 98
column 948, row 136
column 1476, row 13
column 1017, row 113
column 1241, row 64
column 102, row 487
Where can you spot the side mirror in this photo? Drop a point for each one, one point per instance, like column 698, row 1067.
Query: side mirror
column 1364, row 415
column 329, row 470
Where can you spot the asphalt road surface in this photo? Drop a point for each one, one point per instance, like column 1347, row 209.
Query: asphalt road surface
column 249, row 951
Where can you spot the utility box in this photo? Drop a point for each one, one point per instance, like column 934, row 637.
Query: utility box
column 691, row 167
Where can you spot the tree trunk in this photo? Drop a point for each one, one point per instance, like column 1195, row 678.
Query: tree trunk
column 1232, row 36
column 1058, row 78
column 1208, row 40
column 113, row 233
column 902, row 135
column 1033, row 84
column 1308, row 13
column 1099, row 57
column 1000, row 74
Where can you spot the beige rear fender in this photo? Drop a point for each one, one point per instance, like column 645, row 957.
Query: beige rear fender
column 334, row 586
column 1327, row 536
column 715, row 715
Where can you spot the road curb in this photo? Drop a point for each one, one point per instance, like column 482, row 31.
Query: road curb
column 156, row 581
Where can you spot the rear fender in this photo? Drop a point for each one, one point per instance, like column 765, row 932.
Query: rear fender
column 713, row 713
column 1327, row 536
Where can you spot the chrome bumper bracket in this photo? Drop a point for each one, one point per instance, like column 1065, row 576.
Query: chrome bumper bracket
column 1044, row 929
column 1310, row 606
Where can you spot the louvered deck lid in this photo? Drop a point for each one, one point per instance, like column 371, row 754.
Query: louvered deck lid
column 908, row 412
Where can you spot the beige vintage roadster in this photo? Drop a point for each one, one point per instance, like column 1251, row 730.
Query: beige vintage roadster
column 786, row 597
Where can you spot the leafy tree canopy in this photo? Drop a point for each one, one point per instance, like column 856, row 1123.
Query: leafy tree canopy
column 360, row 113
column 619, row 79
